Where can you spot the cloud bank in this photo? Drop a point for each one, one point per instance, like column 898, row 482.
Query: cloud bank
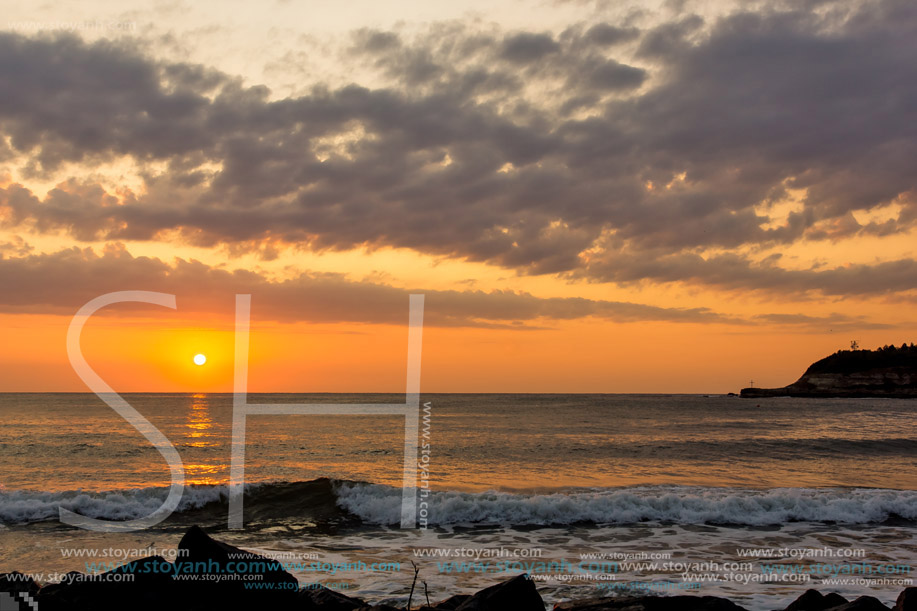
column 605, row 152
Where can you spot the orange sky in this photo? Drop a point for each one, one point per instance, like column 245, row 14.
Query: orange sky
column 587, row 356
column 656, row 197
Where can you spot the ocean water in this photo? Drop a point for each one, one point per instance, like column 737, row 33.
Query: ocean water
column 593, row 495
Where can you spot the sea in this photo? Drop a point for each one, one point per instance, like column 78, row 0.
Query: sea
column 756, row 500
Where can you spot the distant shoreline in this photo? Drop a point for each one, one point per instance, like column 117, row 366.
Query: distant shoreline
column 889, row 373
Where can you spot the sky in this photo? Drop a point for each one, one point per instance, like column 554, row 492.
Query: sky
column 593, row 196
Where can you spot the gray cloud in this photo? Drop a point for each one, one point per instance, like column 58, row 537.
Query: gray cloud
column 63, row 281
column 731, row 271
column 462, row 154
column 606, row 34
column 670, row 39
column 527, row 47
column 831, row 322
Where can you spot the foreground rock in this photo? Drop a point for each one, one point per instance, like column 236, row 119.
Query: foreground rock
column 148, row 589
column 651, row 603
column 907, row 600
column 215, row 575
column 210, row 573
column 863, row 603
column 17, row 582
column 17, row 590
column 326, row 600
column 813, row 600
column 518, row 593
column 450, row 604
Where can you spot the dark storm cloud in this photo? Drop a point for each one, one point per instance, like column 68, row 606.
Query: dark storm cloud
column 64, row 100
column 526, row 47
column 735, row 272
column 606, row 34
column 540, row 153
column 670, row 39
column 61, row 282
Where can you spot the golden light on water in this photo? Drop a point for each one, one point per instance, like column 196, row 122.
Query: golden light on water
column 200, row 433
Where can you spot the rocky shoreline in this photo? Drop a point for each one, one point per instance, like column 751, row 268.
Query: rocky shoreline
column 888, row 372
column 214, row 575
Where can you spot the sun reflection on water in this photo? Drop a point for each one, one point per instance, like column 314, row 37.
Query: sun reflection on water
column 199, row 433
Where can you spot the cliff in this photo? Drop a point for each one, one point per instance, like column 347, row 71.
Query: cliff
column 886, row 372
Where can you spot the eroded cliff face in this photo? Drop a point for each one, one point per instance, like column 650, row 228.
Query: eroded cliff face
column 896, row 382
column 888, row 371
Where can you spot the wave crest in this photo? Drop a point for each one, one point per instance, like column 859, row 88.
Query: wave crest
column 325, row 501
column 683, row 505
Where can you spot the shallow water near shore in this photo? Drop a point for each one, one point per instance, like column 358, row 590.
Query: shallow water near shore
column 584, row 492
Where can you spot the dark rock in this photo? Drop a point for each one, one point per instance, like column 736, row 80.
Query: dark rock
column 887, row 372
column 142, row 585
column 17, row 591
column 212, row 574
column 450, row 604
column 691, row 603
column 17, row 582
column 863, row 603
column 907, row 600
column 813, row 600
column 595, row 604
column 326, row 599
column 651, row 603
column 518, row 593
column 833, row 599
column 62, row 591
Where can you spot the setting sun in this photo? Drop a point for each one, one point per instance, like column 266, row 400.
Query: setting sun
column 622, row 294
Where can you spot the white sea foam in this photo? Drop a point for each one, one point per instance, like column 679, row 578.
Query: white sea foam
column 379, row 504
column 20, row 506
column 686, row 505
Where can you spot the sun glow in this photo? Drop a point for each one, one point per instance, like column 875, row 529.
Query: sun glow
column 199, row 359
